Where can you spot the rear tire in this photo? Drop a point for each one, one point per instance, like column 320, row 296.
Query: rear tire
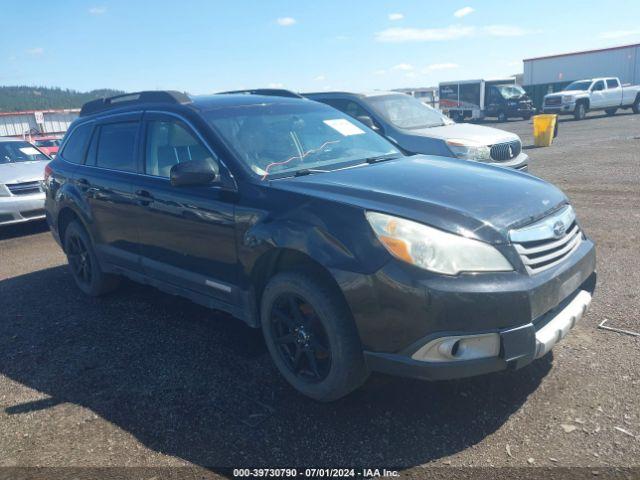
column 83, row 263
column 581, row 111
column 610, row 111
column 311, row 336
column 526, row 117
column 636, row 105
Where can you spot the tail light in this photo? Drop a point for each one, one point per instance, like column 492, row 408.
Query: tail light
column 47, row 173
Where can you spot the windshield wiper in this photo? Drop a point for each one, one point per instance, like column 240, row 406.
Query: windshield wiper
column 381, row 158
column 308, row 171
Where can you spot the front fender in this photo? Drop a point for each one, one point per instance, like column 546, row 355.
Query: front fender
column 583, row 98
column 338, row 237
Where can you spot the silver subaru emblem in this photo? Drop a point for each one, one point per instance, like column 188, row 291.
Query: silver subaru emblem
column 559, row 229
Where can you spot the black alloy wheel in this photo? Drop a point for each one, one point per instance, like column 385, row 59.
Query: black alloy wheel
column 83, row 263
column 79, row 259
column 300, row 338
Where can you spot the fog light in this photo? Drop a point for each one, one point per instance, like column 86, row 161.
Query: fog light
column 458, row 348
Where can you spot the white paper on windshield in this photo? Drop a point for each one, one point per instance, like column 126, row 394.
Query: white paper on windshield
column 344, row 127
column 29, row 151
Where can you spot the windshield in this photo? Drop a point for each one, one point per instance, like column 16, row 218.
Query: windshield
column 582, row 85
column 511, row 91
column 407, row 112
column 12, row 152
column 289, row 137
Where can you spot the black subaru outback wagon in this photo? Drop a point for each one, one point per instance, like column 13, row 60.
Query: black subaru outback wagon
column 301, row 221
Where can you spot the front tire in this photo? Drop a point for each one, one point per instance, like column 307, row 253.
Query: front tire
column 581, row 111
column 311, row 336
column 83, row 263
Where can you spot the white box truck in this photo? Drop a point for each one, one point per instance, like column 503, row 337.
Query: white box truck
column 476, row 99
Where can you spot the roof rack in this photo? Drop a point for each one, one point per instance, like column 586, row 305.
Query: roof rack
column 270, row 92
column 157, row 96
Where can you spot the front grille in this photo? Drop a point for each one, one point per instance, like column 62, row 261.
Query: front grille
column 25, row 188
column 541, row 249
column 553, row 101
column 501, row 152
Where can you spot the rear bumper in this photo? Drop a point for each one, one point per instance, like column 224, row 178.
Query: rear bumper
column 519, row 346
column 21, row 208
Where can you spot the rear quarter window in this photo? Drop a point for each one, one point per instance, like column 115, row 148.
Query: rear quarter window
column 74, row 149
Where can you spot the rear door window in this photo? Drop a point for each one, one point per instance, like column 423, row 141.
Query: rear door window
column 75, row 147
column 116, row 147
column 612, row 83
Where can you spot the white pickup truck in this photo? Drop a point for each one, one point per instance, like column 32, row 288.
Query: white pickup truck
column 606, row 94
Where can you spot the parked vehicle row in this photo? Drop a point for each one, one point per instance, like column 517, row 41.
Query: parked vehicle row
column 300, row 220
column 606, row 94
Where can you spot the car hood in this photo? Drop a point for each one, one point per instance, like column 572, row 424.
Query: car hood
column 466, row 131
column 566, row 92
column 19, row 172
column 463, row 197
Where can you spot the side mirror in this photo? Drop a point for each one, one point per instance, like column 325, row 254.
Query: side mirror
column 368, row 121
column 195, row 173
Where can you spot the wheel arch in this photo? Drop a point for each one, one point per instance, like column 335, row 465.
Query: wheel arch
column 285, row 259
column 66, row 215
column 584, row 101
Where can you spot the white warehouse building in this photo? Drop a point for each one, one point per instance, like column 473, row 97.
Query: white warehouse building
column 548, row 74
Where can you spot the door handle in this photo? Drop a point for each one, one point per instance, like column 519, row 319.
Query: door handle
column 144, row 197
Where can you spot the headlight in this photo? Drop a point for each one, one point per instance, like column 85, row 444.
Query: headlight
column 433, row 249
column 567, row 98
column 468, row 150
column 4, row 191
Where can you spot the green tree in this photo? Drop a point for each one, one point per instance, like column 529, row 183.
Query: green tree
column 19, row 98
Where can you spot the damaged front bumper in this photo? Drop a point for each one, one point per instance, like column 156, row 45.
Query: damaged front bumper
column 460, row 355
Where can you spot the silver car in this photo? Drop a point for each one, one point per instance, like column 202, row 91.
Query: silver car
column 418, row 128
column 21, row 179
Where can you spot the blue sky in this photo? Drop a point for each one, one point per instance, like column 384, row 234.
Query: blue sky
column 204, row 46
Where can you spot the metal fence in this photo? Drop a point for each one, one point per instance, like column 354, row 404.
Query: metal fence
column 17, row 124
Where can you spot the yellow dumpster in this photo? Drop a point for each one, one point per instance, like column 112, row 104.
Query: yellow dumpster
column 543, row 129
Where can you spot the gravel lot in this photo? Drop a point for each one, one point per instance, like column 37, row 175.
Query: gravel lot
column 140, row 378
